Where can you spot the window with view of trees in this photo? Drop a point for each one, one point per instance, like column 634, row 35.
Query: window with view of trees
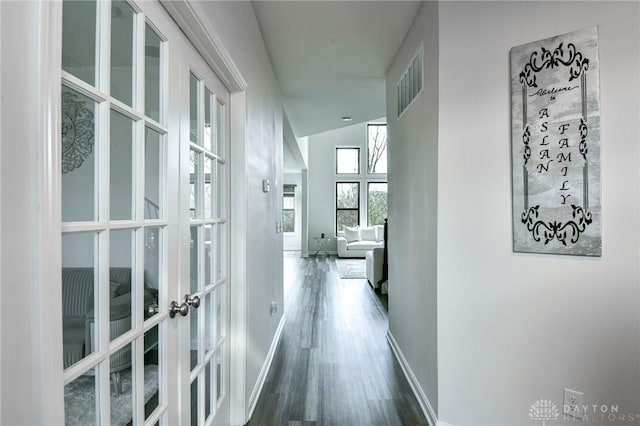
column 376, row 203
column 288, row 213
column 347, row 204
column 348, row 161
column 377, row 148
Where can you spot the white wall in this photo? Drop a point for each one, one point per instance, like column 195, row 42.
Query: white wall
column 293, row 240
column 413, row 190
column 236, row 24
column 322, row 179
column 516, row 327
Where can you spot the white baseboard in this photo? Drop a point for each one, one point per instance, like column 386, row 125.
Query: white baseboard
column 264, row 372
column 425, row 405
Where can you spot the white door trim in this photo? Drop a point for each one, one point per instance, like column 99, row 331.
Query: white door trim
column 206, row 41
column 31, row 291
column 46, row 298
column 209, row 45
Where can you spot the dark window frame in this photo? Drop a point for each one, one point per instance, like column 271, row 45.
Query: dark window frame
column 374, row 182
column 369, row 125
column 337, row 209
column 357, row 148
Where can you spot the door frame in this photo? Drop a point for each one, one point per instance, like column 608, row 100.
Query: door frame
column 38, row 30
column 209, row 45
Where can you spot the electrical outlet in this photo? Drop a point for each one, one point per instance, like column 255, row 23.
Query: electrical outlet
column 274, row 308
column 573, row 401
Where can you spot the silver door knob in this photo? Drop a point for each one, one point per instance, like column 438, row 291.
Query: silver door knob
column 192, row 301
column 174, row 308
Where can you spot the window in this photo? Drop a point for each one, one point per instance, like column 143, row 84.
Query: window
column 377, row 148
column 347, row 204
column 376, row 203
column 289, row 209
column 348, row 161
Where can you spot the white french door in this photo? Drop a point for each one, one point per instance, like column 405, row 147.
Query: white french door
column 144, row 195
column 204, row 135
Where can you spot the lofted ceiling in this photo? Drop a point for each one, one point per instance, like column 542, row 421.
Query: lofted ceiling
column 330, row 57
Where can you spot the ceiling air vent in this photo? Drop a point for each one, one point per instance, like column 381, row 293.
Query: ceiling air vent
column 410, row 85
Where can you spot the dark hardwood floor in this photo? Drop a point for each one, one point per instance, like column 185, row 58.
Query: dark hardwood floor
column 333, row 365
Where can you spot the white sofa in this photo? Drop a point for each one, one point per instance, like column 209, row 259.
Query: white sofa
column 375, row 263
column 356, row 241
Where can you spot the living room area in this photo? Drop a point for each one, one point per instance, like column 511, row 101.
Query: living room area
column 346, row 199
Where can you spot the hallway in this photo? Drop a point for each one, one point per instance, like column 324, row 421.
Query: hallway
column 333, row 365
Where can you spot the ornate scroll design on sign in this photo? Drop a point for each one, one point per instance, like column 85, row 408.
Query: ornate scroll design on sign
column 77, row 132
column 555, row 131
column 568, row 57
column 559, row 230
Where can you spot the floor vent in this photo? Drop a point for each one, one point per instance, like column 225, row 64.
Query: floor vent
column 410, row 85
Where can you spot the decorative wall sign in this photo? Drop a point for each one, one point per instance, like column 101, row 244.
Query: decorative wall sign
column 77, row 132
column 555, row 119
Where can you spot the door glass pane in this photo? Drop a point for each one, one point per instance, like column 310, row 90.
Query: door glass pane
column 196, row 356
column 120, row 275
column 151, row 371
column 207, row 390
column 218, row 358
column 79, row 39
column 220, row 201
column 220, row 248
column 80, row 400
column 194, row 403
column 152, row 166
column 220, row 129
column 121, row 385
column 208, row 119
column 208, row 306
column 152, row 83
column 194, row 177
column 209, row 174
column 78, row 301
column 193, row 256
column 121, row 166
column 193, row 108
column 219, row 312
column 208, row 258
column 122, row 42
column 151, row 271
column 78, row 157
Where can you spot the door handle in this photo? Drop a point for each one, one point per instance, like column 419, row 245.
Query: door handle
column 175, row 308
column 192, row 301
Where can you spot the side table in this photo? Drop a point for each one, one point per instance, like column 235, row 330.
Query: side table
column 322, row 245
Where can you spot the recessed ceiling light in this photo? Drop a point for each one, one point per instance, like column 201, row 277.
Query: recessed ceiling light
column 347, row 118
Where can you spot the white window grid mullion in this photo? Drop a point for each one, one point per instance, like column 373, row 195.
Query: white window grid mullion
column 75, row 227
column 103, row 69
column 73, row 82
column 155, row 416
column 154, row 125
column 163, row 170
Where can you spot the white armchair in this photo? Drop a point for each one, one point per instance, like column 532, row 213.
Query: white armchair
column 374, row 261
